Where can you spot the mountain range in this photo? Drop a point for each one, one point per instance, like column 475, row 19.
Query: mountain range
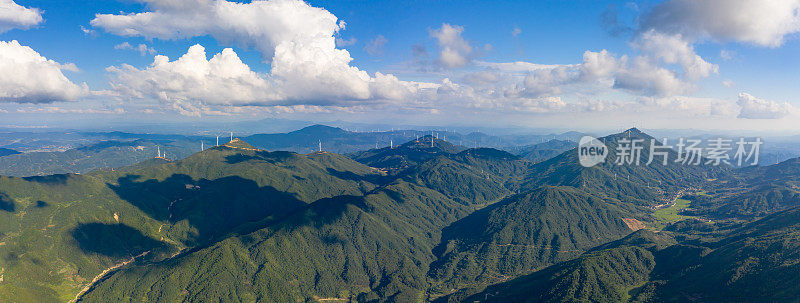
column 422, row 220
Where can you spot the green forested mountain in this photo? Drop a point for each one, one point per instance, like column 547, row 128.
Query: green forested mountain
column 58, row 232
column 412, row 223
column 755, row 262
column 473, row 176
column 410, row 154
column 641, row 184
column 751, row 192
column 526, row 232
column 370, row 247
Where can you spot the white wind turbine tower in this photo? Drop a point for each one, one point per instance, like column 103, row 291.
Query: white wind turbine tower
column 320, row 145
column 202, row 146
column 217, row 140
column 391, row 144
column 231, row 136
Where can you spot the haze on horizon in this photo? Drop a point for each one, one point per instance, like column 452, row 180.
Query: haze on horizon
column 710, row 64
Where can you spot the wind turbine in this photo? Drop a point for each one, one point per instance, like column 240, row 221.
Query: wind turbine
column 217, row 140
column 320, row 145
column 391, row 144
column 202, row 147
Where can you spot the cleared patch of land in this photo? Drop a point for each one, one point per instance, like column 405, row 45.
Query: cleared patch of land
column 669, row 215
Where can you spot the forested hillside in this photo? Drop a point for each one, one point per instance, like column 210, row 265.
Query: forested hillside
column 407, row 223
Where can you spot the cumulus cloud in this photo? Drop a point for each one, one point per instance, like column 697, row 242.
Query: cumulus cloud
column 764, row 23
column 224, row 79
column 673, row 49
column 13, row 15
column 27, row 77
column 454, row 51
column 192, row 82
column 754, row 108
column 264, row 25
column 306, row 65
column 143, row 49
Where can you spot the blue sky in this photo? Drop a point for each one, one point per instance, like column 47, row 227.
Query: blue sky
column 662, row 63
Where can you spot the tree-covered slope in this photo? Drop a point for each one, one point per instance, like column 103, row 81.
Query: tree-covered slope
column 757, row 262
column 526, row 232
column 642, row 184
column 59, row 232
column 400, row 158
column 372, row 247
column 473, row 176
column 752, row 192
column 605, row 274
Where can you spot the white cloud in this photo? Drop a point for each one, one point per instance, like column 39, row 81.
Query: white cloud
column 27, row 77
column 307, row 68
column 764, row 23
column 340, row 42
column 61, row 110
column 223, row 79
column 754, row 108
column 192, row 83
column 376, row 47
column 673, row 49
column 454, row 51
column 264, row 25
column 643, row 76
column 143, row 49
column 726, row 54
column 88, row 31
column 515, row 32
column 728, row 83
column 13, row 15
column 688, row 106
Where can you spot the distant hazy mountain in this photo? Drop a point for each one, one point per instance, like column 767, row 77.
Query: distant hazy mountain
column 6, row 152
column 543, row 151
column 103, row 155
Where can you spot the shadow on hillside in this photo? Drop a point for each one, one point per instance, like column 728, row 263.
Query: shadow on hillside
column 271, row 157
column 6, row 203
column 212, row 208
column 113, row 240
column 59, row 179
